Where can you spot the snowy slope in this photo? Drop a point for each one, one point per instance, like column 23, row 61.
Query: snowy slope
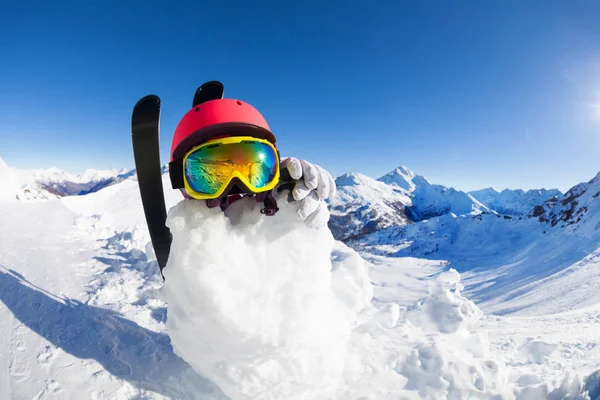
column 78, row 305
column 514, row 202
column 534, row 265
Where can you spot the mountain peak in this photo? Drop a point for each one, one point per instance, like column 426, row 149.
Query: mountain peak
column 352, row 178
column 404, row 178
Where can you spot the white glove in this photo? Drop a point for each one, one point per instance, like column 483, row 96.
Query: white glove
column 313, row 186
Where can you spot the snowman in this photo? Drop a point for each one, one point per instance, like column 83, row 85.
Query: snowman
column 246, row 255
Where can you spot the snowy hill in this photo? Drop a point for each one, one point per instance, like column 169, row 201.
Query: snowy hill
column 513, row 264
column 514, row 202
column 364, row 205
column 52, row 183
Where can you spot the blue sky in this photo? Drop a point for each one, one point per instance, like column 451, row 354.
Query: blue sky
column 468, row 93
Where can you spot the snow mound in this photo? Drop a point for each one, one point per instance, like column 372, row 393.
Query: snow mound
column 426, row 350
column 536, row 351
column 445, row 310
column 264, row 287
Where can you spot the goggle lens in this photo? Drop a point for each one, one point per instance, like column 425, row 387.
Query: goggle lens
column 210, row 167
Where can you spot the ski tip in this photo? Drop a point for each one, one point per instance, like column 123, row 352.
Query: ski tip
column 210, row 85
column 146, row 110
column 151, row 99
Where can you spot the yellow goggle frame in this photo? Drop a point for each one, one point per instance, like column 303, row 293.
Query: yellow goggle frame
column 235, row 174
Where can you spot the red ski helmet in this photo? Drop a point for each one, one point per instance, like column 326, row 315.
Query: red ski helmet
column 218, row 118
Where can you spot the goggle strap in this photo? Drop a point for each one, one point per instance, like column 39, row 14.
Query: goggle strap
column 176, row 174
column 269, row 202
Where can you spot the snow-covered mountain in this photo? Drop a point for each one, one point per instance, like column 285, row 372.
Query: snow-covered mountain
column 431, row 200
column 513, row 263
column 579, row 207
column 62, row 184
column 364, row 205
column 17, row 184
column 514, row 202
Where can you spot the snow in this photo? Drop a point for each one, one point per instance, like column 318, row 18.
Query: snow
column 517, row 265
column 403, row 178
column 514, row 202
column 9, row 183
column 52, row 183
column 275, row 309
column 364, row 205
column 536, row 351
column 444, row 310
column 431, row 200
column 264, row 287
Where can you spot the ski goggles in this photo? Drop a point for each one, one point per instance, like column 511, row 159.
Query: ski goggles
column 208, row 171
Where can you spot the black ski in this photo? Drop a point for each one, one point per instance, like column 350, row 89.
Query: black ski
column 212, row 90
column 144, row 136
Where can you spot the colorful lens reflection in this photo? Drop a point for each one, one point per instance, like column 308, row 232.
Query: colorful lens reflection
column 210, row 167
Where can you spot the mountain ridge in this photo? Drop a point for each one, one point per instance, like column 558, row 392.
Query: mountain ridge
column 514, row 201
column 364, row 205
column 52, row 183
